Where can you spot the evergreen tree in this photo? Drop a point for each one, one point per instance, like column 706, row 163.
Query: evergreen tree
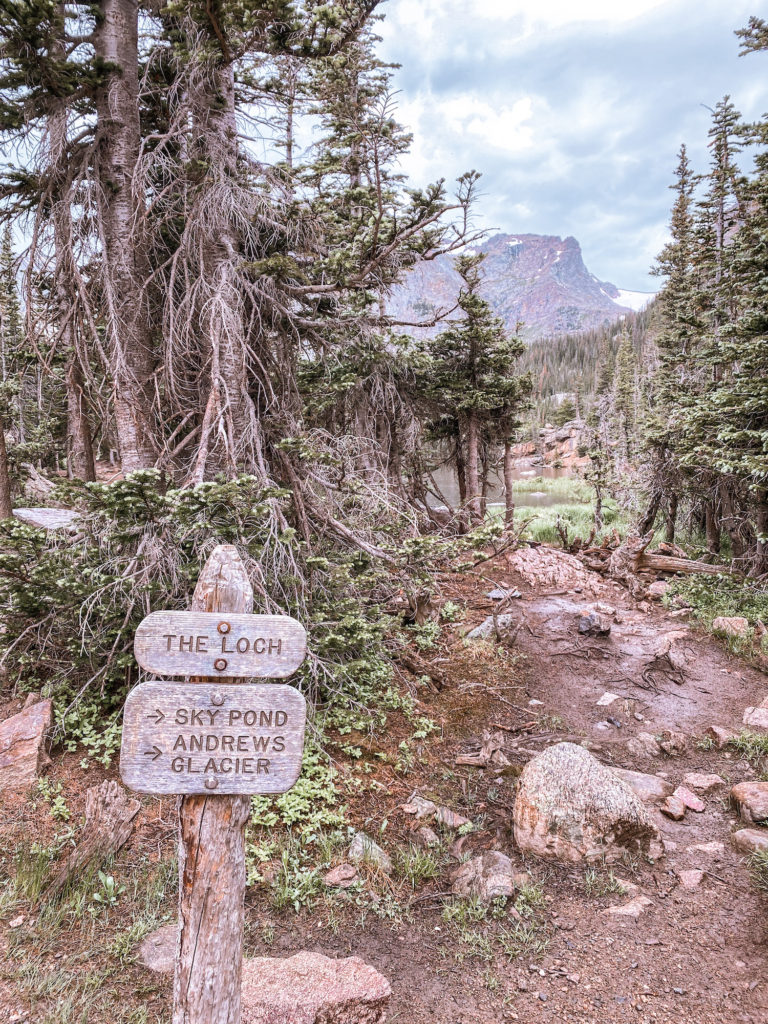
column 470, row 378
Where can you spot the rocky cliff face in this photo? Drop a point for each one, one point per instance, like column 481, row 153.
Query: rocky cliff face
column 537, row 280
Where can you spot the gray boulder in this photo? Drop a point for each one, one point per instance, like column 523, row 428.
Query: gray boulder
column 571, row 807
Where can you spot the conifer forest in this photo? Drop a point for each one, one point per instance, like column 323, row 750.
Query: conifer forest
column 508, row 526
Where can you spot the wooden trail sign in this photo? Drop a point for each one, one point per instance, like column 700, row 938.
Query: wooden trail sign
column 207, row 980
column 191, row 738
column 205, row 643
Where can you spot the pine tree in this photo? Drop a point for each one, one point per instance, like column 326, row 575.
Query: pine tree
column 470, row 378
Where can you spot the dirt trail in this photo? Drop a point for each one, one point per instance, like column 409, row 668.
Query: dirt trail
column 693, row 957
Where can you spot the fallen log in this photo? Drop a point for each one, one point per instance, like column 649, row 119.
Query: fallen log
column 668, row 563
column 632, row 558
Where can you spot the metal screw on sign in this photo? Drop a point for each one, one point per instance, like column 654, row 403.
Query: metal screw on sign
column 217, row 699
column 220, row 664
column 223, row 627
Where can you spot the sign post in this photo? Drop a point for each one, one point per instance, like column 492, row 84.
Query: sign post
column 215, row 740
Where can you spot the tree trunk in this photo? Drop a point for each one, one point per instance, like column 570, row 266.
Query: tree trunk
column 474, row 498
column 509, row 480
column 761, row 522
column 229, row 439
column 125, row 266
column 461, row 472
column 671, row 516
column 712, row 528
column 649, row 519
column 79, row 445
column 6, row 506
column 206, row 987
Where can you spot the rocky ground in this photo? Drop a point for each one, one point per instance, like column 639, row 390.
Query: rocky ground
column 669, row 930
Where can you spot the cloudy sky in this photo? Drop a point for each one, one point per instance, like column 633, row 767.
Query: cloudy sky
column 573, row 110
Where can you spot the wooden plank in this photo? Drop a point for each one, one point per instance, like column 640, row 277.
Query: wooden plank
column 220, row 645
column 212, row 738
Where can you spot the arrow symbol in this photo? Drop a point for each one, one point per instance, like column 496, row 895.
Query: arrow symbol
column 154, row 753
column 158, row 716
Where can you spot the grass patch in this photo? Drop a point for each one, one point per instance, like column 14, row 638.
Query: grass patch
column 512, row 928
column 416, row 865
column 597, row 884
column 759, row 864
column 713, row 596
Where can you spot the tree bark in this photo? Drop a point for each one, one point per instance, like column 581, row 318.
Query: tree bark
column 79, row 443
column 509, row 481
column 761, row 522
column 474, row 498
column 121, row 216
column 6, row 506
column 206, row 987
column 712, row 528
column 229, row 437
column 671, row 516
column 80, row 462
column 109, row 818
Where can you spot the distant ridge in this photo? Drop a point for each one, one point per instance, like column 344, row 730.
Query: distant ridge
column 539, row 280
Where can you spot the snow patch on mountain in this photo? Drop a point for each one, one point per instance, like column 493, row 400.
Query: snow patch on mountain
column 634, row 300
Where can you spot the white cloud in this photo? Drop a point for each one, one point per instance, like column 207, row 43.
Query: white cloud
column 573, row 110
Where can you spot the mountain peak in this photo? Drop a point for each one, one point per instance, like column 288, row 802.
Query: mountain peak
column 539, row 280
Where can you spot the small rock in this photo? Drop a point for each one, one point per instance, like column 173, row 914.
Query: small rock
column 691, row 801
column 17, row 922
column 756, row 718
column 536, row 703
column 486, row 877
column 341, row 877
column 604, row 609
column 450, row 818
column 701, row 782
column 690, row 879
column 428, row 836
column 594, row 624
column 364, row 850
column 634, row 908
column 490, row 625
column 752, row 800
column 158, row 950
column 674, row 808
column 713, row 849
column 644, row 745
column 309, row 988
column 720, row 735
column 607, row 699
column 419, row 806
column 673, row 743
column 22, row 739
column 750, row 840
column 658, row 589
column 731, row 625
column 501, row 593
column 650, row 788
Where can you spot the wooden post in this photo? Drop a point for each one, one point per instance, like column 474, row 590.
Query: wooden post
column 206, row 987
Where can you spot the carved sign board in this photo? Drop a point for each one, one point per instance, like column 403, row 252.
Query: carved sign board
column 220, row 644
column 204, row 738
